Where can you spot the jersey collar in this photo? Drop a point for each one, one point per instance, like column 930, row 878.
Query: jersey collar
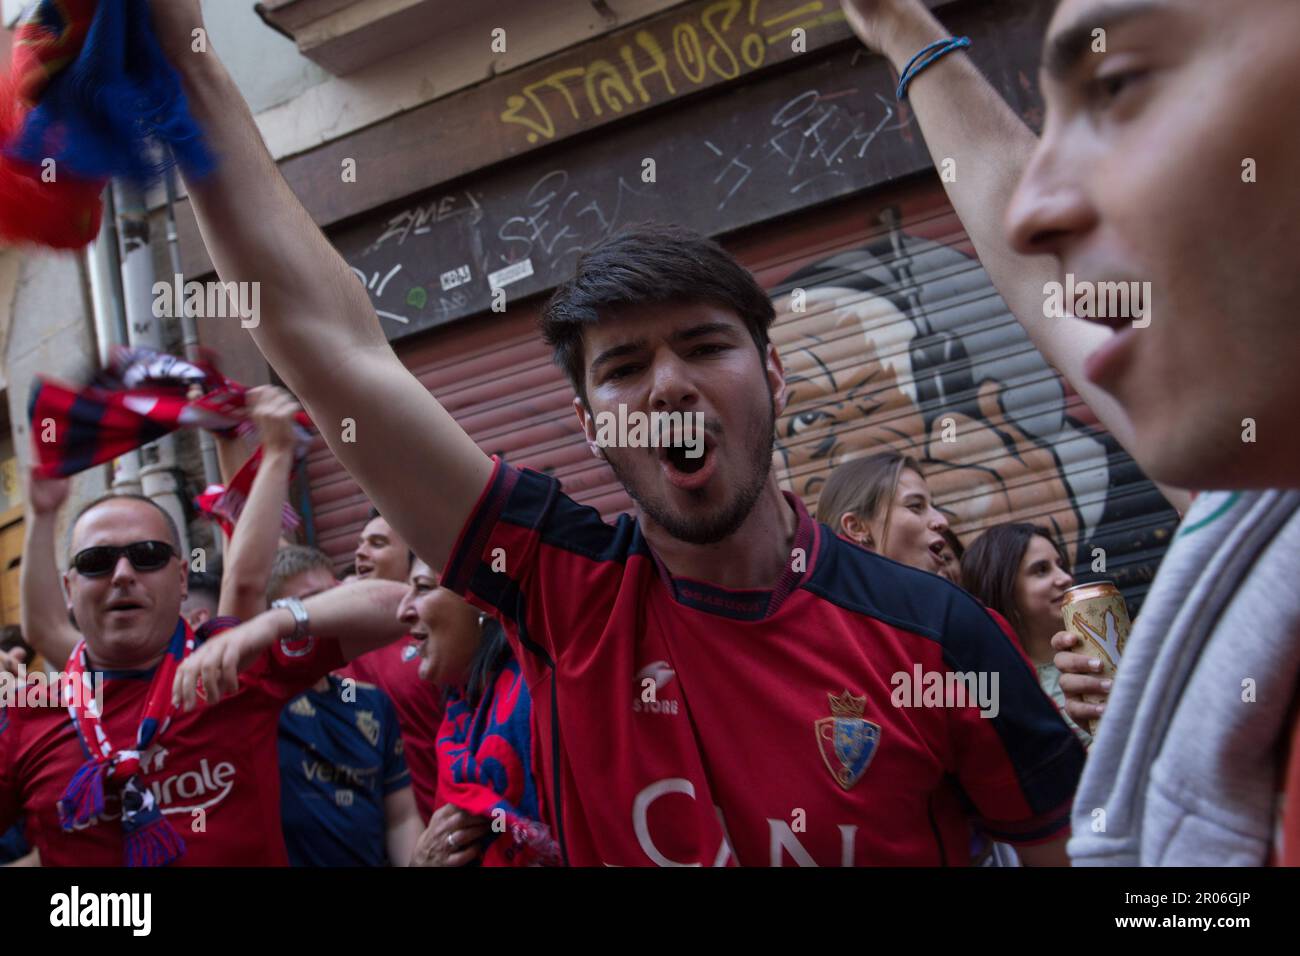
column 756, row 604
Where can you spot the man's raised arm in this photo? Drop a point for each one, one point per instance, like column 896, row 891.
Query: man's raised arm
column 44, row 609
column 316, row 325
column 964, row 118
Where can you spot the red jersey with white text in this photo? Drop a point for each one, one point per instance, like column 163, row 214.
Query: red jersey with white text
column 395, row 669
column 684, row 724
column 215, row 772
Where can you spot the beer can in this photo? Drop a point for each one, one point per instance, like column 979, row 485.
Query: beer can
column 1096, row 614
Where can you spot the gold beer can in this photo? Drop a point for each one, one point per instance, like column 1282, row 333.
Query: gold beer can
column 1096, row 614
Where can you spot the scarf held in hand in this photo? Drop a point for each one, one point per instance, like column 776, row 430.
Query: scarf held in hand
column 90, row 97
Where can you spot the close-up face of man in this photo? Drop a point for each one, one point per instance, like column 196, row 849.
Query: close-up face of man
column 1168, row 156
column 686, row 358
column 127, row 613
column 381, row 552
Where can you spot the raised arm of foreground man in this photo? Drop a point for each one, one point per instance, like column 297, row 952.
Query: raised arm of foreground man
column 316, row 326
column 965, row 119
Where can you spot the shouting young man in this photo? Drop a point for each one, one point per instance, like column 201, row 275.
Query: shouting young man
column 718, row 680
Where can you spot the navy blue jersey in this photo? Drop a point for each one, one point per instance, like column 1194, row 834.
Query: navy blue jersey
column 339, row 759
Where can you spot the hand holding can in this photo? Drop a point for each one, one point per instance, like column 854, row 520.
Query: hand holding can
column 1096, row 614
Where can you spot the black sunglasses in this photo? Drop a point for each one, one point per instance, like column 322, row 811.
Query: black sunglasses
column 143, row 555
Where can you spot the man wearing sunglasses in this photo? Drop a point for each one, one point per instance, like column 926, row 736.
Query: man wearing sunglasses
column 135, row 779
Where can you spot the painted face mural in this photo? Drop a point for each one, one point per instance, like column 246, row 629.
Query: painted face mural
column 904, row 344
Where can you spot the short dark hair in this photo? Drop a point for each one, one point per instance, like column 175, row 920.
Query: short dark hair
column 207, row 583
column 172, row 530
column 649, row 263
column 991, row 563
column 291, row 562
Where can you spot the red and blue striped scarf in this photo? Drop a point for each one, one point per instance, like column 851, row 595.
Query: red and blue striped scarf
column 484, row 768
column 149, row 839
column 142, row 396
column 91, row 90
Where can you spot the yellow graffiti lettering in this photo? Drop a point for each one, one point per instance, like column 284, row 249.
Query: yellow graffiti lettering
column 731, row 8
column 783, row 35
column 556, row 82
column 650, row 45
column 815, row 7
column 544, row 128
column 706, row 47
column 689, row 53
column 515, row 103
column 604, row 77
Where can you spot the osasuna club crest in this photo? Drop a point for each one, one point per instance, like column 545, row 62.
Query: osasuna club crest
column 846, row 739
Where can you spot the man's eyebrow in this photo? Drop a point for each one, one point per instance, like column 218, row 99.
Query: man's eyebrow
column 703, row 329
column 617, row 352
column 1062, row 51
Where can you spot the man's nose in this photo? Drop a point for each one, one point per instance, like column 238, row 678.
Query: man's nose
column 1050, row 206
column 123, row 571
column 672, row 386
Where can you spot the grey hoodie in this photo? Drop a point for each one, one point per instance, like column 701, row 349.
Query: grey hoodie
column 1186, row 766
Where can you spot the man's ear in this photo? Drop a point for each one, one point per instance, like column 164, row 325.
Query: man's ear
column 857, row 530
column 775, row 378
column 588, row 425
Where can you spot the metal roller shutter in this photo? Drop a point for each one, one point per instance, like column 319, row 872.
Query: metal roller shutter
column 901, row 341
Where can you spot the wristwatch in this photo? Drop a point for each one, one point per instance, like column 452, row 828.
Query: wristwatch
column 300, row 643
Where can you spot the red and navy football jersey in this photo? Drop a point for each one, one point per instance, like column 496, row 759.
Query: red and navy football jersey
column 215, row 772
column 679, row 723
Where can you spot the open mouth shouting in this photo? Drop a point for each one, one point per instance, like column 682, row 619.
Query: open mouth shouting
column 687, row 472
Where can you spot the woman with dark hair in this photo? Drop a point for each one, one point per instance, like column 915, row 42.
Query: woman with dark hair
column 883, row 503
column 1020, row 571
column 488, row 801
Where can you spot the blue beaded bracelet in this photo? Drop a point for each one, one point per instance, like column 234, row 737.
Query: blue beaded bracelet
column 936, row 50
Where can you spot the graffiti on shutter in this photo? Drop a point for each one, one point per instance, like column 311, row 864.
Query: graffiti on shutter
column 901, row 342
